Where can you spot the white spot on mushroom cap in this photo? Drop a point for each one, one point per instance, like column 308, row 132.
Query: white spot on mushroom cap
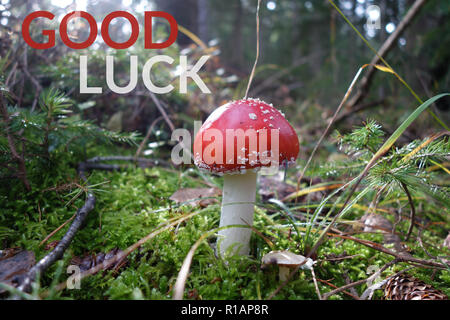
column 252, row 116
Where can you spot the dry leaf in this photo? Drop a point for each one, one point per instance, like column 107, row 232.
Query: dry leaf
column 270, row 187
column 115, row 122
column 194, row 196
column 375, row 222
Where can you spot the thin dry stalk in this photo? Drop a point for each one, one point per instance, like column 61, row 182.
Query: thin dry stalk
column 57, row 229
column 315, row 284
column 252, row 74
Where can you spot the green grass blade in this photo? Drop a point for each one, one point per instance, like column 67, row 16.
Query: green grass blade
column 397, row 133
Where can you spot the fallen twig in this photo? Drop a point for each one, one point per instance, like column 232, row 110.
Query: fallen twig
column 335, row 287
column 93, row 162
column 59, row 250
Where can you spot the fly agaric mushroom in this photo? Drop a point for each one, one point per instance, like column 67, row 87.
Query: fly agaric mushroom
column 236, row 140
column 286, row 261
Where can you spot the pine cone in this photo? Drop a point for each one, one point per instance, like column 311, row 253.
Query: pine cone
column 405, row 287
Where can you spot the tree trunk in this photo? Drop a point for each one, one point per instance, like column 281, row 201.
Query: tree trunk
column 237, row 52
column 203, row 20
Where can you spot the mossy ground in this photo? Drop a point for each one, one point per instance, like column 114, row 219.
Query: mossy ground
column 133, row 202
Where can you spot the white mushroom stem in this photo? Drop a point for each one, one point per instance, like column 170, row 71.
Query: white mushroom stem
column 238, row 205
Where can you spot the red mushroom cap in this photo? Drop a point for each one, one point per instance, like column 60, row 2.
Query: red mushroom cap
column 245, row 134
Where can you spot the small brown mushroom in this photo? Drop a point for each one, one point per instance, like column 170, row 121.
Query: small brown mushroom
column 286, row 261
